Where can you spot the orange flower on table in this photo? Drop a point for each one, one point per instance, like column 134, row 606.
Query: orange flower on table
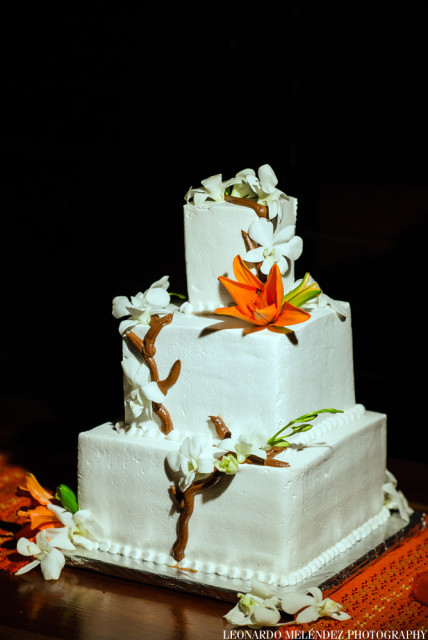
column 261, row 304
column 40, row 516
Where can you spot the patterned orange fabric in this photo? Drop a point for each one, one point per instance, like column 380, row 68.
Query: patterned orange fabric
column 10, row 523
column 383, row 597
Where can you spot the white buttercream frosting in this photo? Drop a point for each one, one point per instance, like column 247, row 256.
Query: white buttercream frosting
column 330, row 497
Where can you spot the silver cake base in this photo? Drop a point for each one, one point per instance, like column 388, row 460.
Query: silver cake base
column 329, row 578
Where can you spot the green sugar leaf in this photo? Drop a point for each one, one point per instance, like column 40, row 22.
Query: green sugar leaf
column 67, row 497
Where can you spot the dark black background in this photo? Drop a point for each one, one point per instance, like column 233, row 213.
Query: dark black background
column 110, row 115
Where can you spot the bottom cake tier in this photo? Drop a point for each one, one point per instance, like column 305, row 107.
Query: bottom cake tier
column 276, row 524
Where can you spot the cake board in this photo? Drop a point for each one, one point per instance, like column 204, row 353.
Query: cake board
column 328, row 578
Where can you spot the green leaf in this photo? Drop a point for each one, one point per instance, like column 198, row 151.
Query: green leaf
column 178, row 295
column 67, row 497
column 281, row 443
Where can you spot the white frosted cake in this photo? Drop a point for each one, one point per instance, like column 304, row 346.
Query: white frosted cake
column 242, row 451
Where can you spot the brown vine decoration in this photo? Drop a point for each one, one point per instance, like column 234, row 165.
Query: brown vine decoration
column 186, row 499
column 261, row 209
column 146, row 346
column 186, row 503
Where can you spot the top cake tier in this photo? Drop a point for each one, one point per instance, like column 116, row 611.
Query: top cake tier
column 246, row 216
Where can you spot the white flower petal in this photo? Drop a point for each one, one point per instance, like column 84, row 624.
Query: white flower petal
column 260, row 589
column 26, row 547
column 340, row 616
column 293, row 249
column 157, row 297
column 285, row 234
column 52, row 564
column 119, row 305
column 265, row 616
column 127, row 325
column 267, row 178
column 266, row 265
column 62, row 514
column 153, row 393
column 81, row 541
column 308, row 615
column 316, row 592
column 162, row 282
column 214, row 186
column 57, row 538
column 293, row 601
column 261, row 231
column 27, row 567
column 283, row 265
column 254, row 255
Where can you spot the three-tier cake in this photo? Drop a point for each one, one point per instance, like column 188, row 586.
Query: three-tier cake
column 242, row 451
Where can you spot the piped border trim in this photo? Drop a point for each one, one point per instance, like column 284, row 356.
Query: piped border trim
column 292, row 578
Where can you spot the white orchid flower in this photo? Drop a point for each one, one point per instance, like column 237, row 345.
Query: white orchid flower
column 275, row 248
column 245, row 445
column 141, row 393
column 228, row 464
column 213, row 188
column 263, row 189
column 313, row 606
column 142, row 306
column 47, row 549
column 259, row 608
column 394, row 499
column 82, row 529
column 195, row 456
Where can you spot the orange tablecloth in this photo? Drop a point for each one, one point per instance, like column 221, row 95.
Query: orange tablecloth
column 380, row 598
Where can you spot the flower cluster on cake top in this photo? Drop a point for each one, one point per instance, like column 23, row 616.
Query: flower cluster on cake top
column 260, row 188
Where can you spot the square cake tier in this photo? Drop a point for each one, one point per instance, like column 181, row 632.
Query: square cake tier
column 277, row 524
column 258, row 382
column 213, row 237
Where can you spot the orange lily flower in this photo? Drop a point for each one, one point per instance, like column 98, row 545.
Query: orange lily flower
column 261, row 304
column 40, row 516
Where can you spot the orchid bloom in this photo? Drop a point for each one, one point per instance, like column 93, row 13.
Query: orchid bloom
column 213, row 188
column 195, row 456
column 245, row 445
column 142, row 306
column 262, row 188
column 279, row 248
column 256, row 609
column 313, row 606
column 141, row 393
column 394, row 499
column 82, row 530
column 227, row 464
column 262, row 305
column 47, row 549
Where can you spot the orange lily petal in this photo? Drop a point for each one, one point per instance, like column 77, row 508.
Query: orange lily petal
column 273, row 290
column 36, row 490
column 291, row 315
column 236, row 313
column 266, row 315
column 41, row 518
column 244, row 275
column 244, row 295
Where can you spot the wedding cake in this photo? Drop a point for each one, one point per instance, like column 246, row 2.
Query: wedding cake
column 242, row 451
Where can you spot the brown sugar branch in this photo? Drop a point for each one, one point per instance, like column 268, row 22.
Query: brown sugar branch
column 146, row 346
column 186, row 500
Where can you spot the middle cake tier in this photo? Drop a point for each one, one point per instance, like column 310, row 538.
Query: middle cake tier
column 258, row 381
